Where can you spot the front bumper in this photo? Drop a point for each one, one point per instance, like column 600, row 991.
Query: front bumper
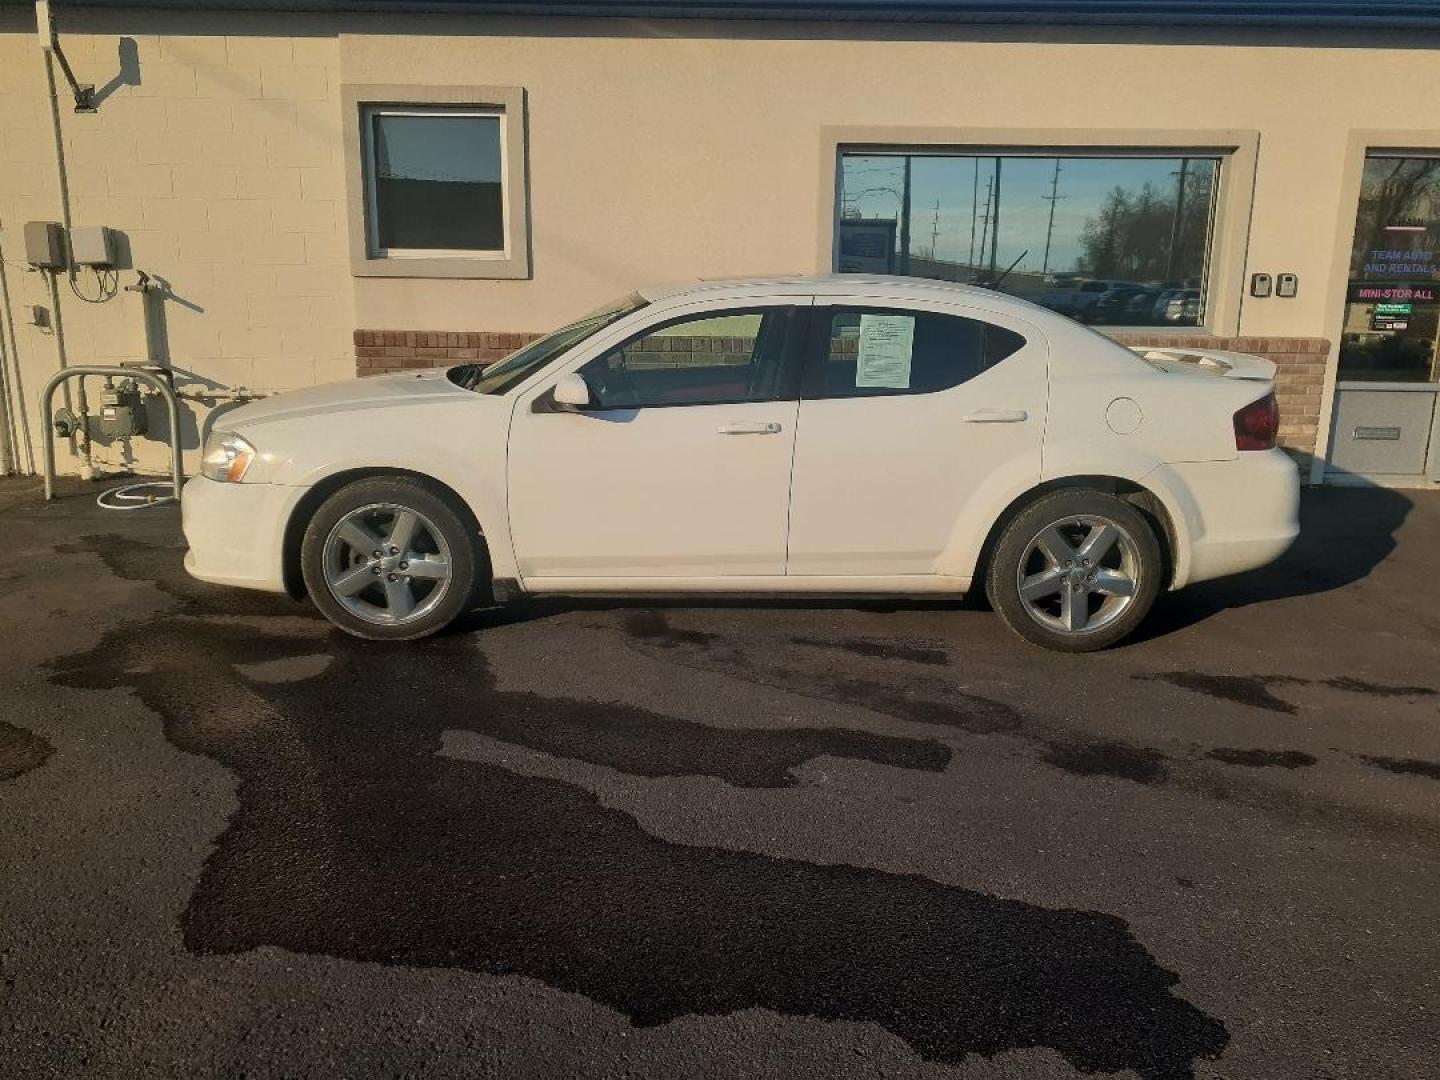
column 236, row 532
column 1230, row 516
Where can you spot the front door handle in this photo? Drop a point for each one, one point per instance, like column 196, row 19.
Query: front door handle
column 996, row 416
column 758, row 427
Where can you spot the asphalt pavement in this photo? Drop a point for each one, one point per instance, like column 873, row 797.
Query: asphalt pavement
column 780, row 839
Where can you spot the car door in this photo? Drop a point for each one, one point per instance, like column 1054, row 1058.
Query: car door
column 680, row 467
column 912, row 417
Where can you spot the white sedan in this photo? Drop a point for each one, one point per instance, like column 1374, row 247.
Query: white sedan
column 842, row 435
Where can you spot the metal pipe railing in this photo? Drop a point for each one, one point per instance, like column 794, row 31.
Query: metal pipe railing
column 172, row 405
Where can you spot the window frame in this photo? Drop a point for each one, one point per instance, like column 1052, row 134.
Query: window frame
column 1237, row 148
column 817, row 346
column 369, row 169
column 1068, row 154
column 792, row 353
column 361, row 103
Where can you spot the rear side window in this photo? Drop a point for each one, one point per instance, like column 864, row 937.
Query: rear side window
column 880, row 352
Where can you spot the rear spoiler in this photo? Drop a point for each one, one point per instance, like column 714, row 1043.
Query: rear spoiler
column 1231, row 365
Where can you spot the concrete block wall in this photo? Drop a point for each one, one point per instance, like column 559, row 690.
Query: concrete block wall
column 217, row 156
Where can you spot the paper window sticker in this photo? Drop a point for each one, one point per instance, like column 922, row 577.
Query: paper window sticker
column 886, row 343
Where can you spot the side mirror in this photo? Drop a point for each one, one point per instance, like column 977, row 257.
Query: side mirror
column 572, row 391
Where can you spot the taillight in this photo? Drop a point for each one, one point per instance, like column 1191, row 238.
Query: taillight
column 1257, row 424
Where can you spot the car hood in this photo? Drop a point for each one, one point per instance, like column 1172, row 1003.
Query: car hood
column 376, row 392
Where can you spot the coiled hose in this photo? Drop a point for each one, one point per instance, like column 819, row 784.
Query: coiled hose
column 131, row 497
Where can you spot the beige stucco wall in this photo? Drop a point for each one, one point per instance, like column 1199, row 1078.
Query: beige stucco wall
column 657, row 151
column 670, row 155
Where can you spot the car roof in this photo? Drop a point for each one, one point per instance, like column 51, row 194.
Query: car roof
column 888, row 285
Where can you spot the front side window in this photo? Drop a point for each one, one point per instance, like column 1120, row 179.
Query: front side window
column 880, row 352
column 1104, row 238
column 719, row 358
column 504, row 375
column 435, row 180
column 1392, row 310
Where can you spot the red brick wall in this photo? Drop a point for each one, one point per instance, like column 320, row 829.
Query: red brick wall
column 384, row 352
column 1299, row 362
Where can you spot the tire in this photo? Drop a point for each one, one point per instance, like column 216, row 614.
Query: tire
column 389, row 558
column 1042, row 585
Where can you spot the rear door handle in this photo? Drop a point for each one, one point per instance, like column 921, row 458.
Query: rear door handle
column 758, row 427
column 996, row 416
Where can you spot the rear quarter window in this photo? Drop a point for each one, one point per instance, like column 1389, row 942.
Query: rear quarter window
column 887, row 351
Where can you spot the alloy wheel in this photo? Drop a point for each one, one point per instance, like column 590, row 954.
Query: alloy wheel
column 1079, row 574
column 387, row 564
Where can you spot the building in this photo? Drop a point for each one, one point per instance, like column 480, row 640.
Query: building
column 321, row 189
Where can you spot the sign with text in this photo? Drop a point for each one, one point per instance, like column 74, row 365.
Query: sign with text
column 1389, row 322
column 886, row 342
column 1379, row 292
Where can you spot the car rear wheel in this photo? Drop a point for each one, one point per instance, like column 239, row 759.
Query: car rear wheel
column 1076, row 571
column 390, row 559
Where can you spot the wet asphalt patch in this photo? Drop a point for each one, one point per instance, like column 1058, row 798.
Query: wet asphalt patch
column 1252, row 690
column 1256, row 690
column 881, row 649
column 1263, row 759
column 21, row 750
column 1108, row 757
column 1406, row 766
column 356, row 837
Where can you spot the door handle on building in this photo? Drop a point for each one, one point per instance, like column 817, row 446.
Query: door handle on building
column 758, row 427
column 996, row 416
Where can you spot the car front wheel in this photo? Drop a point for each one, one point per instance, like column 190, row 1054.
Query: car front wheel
column 1076, row 571
column 388, row 558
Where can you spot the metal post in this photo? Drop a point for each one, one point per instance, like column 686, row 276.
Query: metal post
column 17, row 390
column 1170, row 259
column 995, row 222
column 974, row 212
column 1053, row 197
column 905, row 220
column 172, row 407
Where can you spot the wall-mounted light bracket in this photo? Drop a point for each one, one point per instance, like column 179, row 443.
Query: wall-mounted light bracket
column 83, row 93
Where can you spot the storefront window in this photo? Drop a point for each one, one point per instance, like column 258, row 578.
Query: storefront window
column 1104, row 238
column 1392, row 307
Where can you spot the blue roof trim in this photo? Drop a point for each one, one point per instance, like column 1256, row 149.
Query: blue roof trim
column 1295, row 14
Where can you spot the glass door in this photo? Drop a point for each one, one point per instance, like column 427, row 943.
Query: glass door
column 1389, row 365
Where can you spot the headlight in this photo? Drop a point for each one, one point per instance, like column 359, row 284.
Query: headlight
column 227, row 457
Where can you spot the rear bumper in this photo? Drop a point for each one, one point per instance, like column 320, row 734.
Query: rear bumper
column 1230, row 516
column 235, row 532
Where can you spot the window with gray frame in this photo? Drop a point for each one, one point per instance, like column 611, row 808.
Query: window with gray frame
column 434, row 181
column 1104, row 237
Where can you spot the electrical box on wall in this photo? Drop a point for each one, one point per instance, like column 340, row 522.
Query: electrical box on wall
column 1287, row 285
column 93, row 245
column 45, row 245
column 1260, row 285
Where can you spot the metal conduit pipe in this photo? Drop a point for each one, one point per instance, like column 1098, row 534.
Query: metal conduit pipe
column 49, row 46
column 172, row 407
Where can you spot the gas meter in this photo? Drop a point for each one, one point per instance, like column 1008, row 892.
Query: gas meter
column 122, row 410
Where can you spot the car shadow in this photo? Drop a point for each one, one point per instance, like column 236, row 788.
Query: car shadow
column 1345, row 533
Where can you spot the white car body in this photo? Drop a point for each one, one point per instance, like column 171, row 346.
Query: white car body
column 894, row 495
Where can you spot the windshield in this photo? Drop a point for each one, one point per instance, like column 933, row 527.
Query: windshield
column 501, row 376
